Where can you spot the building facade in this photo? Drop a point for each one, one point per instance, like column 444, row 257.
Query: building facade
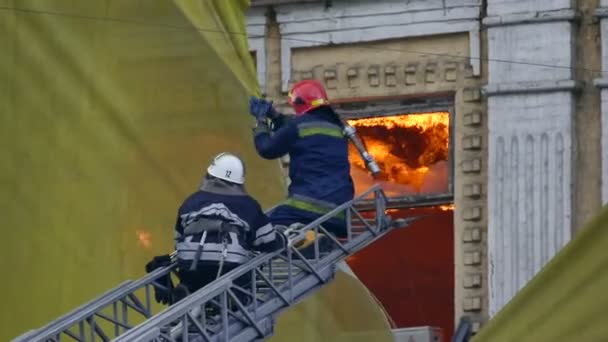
column 528, row 107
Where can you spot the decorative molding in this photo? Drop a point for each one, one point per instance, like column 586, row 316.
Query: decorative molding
column 601, row 83
column 451, row 71
column 471, row 166
column 472, row 281
column 392, row 75
column 472, row 304
column 601, row 12
column 373, row 75
column 430, row 73
column 531, row 18
column 472, row 214
column 472, row 119
column 330, row 79
column 471, row 94
column 472, row 258
column 508, row 7
column 531, row 87
column 472, row 190
column 390, row 79
column 472, row 142
column 472, row 235
column 312, row 25
column 410, row 74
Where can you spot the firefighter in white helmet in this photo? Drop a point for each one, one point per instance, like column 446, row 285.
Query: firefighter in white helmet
column 218, row 227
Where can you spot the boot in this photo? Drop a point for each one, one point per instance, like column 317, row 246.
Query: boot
column 180, row 292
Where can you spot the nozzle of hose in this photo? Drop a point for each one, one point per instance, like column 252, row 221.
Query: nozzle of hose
column 370, row 163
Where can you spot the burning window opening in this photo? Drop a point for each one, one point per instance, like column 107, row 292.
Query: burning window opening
column 412, row 151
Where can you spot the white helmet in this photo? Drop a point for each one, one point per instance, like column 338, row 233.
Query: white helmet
column 228, row 167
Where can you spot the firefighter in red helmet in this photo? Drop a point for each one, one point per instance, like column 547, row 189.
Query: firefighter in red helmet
column 319, row 168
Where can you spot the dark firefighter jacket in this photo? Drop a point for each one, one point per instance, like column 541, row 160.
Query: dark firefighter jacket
column 226, row 220
column 319, row 169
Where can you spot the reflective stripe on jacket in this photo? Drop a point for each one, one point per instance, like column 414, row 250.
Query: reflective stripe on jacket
column 221, row 216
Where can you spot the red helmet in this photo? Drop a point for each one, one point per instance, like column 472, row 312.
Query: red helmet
column 307, row 95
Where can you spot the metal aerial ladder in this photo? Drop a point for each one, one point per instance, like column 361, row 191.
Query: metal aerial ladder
column 223, row 311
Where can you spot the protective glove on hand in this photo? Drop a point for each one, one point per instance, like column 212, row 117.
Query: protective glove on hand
column 260, row 108
column 279, row 120
column 161, row 295
column 158, row 262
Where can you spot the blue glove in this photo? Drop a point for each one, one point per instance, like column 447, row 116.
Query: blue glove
column 259, row 108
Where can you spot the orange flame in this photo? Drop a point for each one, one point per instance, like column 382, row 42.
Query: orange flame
column 448, row 207
column 144, row 238
column 410, row 149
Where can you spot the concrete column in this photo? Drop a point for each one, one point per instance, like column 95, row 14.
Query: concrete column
column 588, row 62
column 531, row 139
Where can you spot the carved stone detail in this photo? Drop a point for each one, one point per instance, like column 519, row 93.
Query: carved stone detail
column 373, row 76
column 472, row 281
column 390, row 78
column 331, row 81
column 472, row 119
column 352, row 74
column 471, row 166
column 472, row 214
column 472, row 235
column 411, row 72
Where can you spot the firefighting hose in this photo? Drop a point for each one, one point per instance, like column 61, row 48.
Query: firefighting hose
column 370, row 163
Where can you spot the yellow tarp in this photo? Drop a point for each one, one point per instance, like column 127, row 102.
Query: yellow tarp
column 342, row 311
column 566, row 301
column 109, row 113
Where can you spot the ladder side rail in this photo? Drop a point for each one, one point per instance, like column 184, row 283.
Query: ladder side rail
column 207, row 293
column 301, row 289
column 326, row 266
column 238, row 329
column 274, row 305
column 36, row 332
column 86, row 313
column 200, row 297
